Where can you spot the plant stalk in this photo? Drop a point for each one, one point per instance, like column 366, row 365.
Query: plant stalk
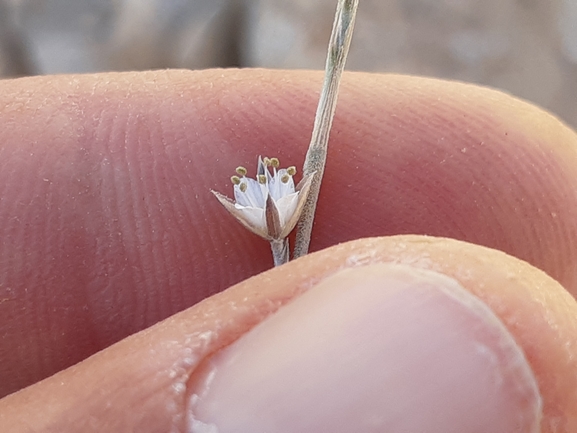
column 339, row 44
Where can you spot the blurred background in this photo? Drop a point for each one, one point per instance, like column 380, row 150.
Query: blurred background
column 525, row 47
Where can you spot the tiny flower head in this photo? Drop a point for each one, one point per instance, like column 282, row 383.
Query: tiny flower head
column 268, row 205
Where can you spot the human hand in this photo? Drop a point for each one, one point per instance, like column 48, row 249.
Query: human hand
column 108, row 226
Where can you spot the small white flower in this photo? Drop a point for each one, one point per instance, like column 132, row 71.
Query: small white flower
column 269, row 205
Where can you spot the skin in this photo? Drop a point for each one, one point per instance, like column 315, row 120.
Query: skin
column 108, row 226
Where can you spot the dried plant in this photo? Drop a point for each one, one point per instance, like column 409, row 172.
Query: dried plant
column 270, row 205
column 339, row 44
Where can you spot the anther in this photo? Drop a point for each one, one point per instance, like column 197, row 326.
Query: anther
column 235, row 180
column 241, row 171
column 285, row 178
column 242, row 187
column 291, row 170
column 261, row 179
column 266, row 161
column 274, row 162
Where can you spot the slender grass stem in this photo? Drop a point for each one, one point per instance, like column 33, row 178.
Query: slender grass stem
column 317, row 153
column 280, row 251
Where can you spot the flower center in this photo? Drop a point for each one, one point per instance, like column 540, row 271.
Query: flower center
column 269, row 181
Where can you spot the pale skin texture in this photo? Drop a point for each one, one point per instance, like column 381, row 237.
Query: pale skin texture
column 108, row 225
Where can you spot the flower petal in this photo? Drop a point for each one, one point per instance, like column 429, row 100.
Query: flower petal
column 303, row 189
column 250, row 217
column 278, row 188
column 252, row 196
column 286, row 207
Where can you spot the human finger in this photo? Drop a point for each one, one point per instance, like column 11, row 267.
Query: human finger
column 108, row 225
column 489, row 341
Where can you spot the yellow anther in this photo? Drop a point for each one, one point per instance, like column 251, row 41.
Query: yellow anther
column 242, row 187
column 241, row 171
column 274, row 162
column 285, row 178
column 235, row 180
column 292, row 170
column 261, row 179
column 266, row 161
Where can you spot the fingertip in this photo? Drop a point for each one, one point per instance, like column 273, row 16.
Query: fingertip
column 368, row 349
column 538, row 312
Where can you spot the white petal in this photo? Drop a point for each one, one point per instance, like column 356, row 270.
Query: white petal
column 286, row 207
column 303, row 187
column 247, row 216
column 252, row 197
column 264, row 190
column 253, row 215
column 278, row 188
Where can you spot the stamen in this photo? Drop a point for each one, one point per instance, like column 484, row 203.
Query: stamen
column 262, row 179
column 284, row 178
column 241, row 171
column 266, row 161
column 291, row 170
column 274, row 162
column 235, row 180
column 243, row 187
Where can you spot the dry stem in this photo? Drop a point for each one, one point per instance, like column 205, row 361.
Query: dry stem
column 316, row 155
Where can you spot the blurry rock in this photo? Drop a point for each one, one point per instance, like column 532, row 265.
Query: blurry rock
column 295, row 34
column 65, row 36
column 14, row 54
column 171, row 33
column 526, row 47
column 518, row 46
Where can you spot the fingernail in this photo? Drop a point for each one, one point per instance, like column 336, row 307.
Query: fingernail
column 381, row 348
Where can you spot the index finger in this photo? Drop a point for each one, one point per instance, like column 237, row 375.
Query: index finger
column 108, row 225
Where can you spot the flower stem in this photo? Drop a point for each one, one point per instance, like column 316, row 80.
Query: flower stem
column 280, row 251
column 317, row 153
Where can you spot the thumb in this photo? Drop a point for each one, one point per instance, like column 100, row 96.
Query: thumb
column 405, row 333
column 384, row 347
